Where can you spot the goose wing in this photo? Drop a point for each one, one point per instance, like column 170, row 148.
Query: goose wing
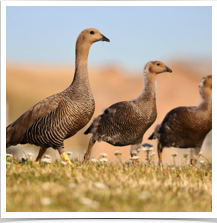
column 120, row 113
column 115, row 118
column 15, row 131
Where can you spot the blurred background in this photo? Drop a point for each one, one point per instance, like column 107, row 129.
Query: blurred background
column 40, row 47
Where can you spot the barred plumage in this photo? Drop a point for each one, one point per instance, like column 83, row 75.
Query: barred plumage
column 187, row 127
column 64, row 122
column 62, row 115
column 125, row 123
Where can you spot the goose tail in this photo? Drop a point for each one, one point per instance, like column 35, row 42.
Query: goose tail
column 156, row 133
column 94, row 126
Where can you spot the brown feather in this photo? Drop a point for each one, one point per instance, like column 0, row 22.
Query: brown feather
column 15, row 132
column 62, row 115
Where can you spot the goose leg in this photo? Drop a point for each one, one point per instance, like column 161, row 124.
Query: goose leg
column 64, row 156
column 194, row 152
column 40, row 154
column 90, row 146
column 134, row 149
column 159, row 151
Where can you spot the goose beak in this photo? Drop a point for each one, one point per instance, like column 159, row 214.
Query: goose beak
column 105, row 38
column 168, row 70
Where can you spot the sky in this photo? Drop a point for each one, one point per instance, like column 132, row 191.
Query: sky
column 138, row 34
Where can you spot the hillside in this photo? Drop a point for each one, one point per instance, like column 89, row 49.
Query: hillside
column 26, row 84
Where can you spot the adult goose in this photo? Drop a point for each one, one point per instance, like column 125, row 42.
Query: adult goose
column 60, row 116
column 187, row 127
column 125, row 123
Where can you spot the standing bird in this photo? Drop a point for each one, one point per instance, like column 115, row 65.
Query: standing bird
column 187, row 127
column 62, row 115
column 125, row 123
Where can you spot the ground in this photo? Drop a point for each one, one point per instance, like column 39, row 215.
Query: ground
column 107, row 187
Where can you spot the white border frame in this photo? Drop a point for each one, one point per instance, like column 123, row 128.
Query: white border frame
column 57, row 215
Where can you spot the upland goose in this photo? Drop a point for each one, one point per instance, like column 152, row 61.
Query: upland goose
column 62, row 115
column 125, row 123
column 187, row 127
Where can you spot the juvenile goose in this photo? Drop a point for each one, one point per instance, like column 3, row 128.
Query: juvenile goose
column 62, row 115
column 187, row 127
column 125, row 123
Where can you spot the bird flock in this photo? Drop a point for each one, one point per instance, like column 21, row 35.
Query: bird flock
column 60, row 116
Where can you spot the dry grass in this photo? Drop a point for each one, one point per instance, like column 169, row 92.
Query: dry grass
column 103, row 187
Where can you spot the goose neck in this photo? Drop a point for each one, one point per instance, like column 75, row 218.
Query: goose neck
column 149, row 89
column 82, row 52
column 81, row 73
column 206, row 103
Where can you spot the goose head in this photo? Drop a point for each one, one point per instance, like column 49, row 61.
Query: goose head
column 153, row 68
column 90, row 36
column 157, row 67
column 84, row 41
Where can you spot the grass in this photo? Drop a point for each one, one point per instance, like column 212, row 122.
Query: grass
column 103, row 187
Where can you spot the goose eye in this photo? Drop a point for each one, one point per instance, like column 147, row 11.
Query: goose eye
column 158, row 64
column 92, row 32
